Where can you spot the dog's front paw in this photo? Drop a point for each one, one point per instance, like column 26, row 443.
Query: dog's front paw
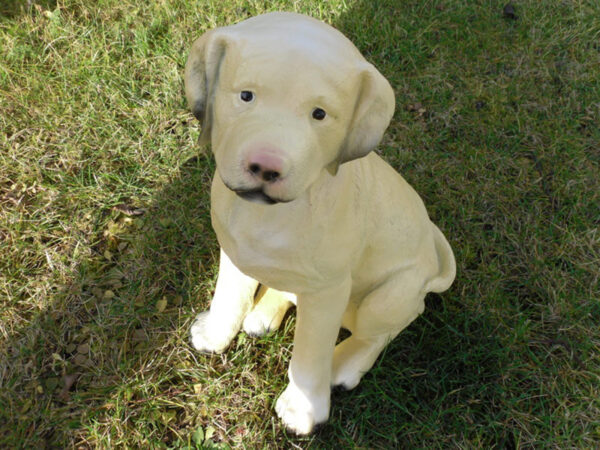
column 257, row 324
column 298, row 412
column 268, row 313
column 206, row 337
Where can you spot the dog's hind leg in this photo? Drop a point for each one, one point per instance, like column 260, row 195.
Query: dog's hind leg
column 383, row 314
column 213, row 330
column 271, row 306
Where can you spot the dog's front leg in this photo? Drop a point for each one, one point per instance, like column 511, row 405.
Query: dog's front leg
column 213, row 330
column 305, row 401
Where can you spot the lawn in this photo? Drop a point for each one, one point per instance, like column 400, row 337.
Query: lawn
column 107, row 252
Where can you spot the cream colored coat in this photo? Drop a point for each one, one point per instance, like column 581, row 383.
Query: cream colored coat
column 300, row 204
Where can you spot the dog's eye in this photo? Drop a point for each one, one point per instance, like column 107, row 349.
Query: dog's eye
column 246, row 96
column 318, row 114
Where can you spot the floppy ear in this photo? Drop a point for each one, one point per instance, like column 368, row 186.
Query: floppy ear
column 201, row 77
column 373, row 111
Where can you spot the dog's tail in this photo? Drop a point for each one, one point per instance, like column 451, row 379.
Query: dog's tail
column 447, row 264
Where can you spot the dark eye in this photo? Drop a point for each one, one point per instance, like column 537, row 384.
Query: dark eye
column 247, row 96
column 318, row 114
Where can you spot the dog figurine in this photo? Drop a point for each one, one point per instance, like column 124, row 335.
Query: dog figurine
column 303, row 208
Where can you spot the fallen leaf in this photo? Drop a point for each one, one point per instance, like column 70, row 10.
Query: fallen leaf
column 161, row 305
column 165, row 222
column 51, row 384
column 83, row 349
column 68, row 381
column 79, row 359
column 168, row 416
column 198, row 436
column 116, row 284
column 26, row 406
column 139, row 335
column 417, row 107
column 129, row 210
column 209, row 432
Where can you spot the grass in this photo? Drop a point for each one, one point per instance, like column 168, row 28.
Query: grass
column 107, row 251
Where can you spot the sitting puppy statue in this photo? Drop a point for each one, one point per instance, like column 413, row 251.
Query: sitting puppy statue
column 304, row 212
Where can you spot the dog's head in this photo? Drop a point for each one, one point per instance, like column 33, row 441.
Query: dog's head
column 282, row 97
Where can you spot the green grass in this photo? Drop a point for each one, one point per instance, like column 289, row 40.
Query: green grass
column 497, row 126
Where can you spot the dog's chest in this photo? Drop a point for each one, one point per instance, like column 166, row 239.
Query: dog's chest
column 286, row 247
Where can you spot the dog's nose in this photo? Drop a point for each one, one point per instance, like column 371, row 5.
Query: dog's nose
column 266, row 166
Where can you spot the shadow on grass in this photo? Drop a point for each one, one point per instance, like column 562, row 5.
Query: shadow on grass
column 124, row 309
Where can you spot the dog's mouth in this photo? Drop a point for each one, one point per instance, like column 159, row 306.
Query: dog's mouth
column 256, row 196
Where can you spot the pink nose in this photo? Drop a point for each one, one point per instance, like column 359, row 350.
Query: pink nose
column 265, row 165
